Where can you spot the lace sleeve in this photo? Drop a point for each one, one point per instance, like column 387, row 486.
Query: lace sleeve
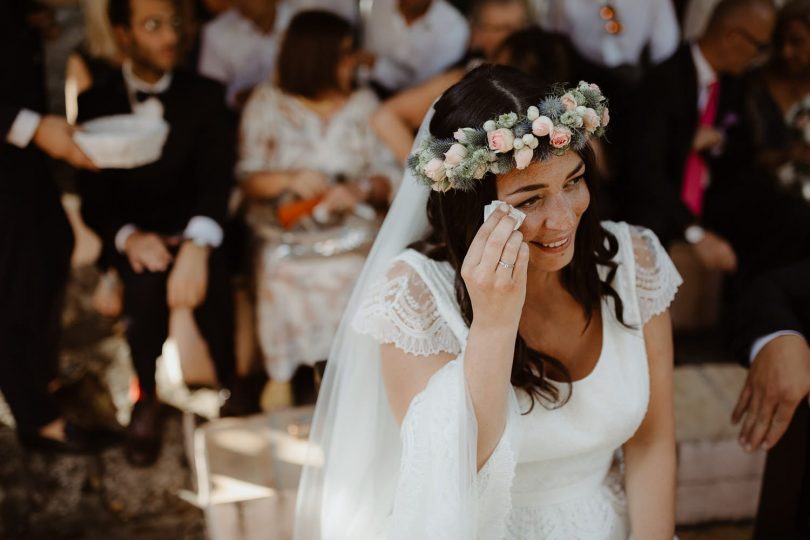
column 657, row 280
column 401, row 310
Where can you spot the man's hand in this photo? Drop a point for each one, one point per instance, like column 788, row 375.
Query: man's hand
column 55, row 137
column 146, row 251
column 706, row 137
column 778, row 381
column 188, row 279
column 715, row 253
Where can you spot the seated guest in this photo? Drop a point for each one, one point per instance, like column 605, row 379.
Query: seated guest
column 239, row 47
column 768, row 172
column 308, row 140
column 410, row 41
column 771, row 323
column 673, row 139
column 161, row 222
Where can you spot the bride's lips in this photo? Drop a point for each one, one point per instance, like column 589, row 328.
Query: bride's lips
column 554, row 246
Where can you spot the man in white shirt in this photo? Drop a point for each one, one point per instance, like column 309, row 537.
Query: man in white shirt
column 614, row 33
column 239, row 47
column 412, row 40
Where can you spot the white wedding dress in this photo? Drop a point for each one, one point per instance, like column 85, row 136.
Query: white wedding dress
column 556, row 473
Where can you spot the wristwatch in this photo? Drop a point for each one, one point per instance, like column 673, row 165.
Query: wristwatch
column 694, row 234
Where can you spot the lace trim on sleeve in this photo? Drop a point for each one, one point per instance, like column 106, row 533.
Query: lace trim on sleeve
column 400, row 309
column 657, row 280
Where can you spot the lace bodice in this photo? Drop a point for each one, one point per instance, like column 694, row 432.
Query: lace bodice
column 554, row 474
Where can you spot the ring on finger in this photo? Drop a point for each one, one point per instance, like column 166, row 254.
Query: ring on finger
column 504, row 264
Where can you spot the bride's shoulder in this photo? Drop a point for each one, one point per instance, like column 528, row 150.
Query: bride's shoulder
column 401, row 307
column 650, row 273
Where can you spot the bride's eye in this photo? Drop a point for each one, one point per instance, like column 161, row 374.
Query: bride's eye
column 528, row 203
column 575, row 181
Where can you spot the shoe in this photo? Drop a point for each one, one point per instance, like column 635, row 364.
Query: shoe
column 77, row 441
column 145, row 432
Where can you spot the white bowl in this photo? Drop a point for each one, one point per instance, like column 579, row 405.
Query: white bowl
column 122, row 141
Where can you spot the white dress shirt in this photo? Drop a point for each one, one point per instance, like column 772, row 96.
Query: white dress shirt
column 200, row 229
column 643, row 22
column 706, row 76
column 760, row 343
column 409, row 54
column 235, row 52
column 23, row 129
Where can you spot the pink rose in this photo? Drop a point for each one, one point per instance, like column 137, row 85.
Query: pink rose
column 542, row 126
column 501, row 140
column 590, row 120
column 605, row 117
column 454, row 156
column 560, row 137
column 595, row 88
column 568, row 102
column 435, row 170
column 523, row 157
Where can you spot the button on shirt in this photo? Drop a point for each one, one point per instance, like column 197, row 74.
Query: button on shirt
column 643, row 22
column 409, row 54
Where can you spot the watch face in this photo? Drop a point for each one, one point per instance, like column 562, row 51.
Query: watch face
column 694, row 234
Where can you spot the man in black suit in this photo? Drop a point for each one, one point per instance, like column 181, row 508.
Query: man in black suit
column 35, row 237
column 772, row 320
column 163, row 221
column 684, row 105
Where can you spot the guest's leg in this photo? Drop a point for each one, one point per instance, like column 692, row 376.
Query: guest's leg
column 147, row 320
column 215, row 318
column 35, row 249
column 781, row 514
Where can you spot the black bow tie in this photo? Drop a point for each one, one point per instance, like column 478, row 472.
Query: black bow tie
column 141, row 96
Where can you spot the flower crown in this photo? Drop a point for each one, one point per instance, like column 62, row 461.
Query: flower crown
column 565, row 119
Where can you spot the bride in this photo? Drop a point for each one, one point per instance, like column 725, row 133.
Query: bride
column 496, row 379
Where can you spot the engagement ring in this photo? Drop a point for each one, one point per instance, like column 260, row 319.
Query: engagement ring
column 504, row 264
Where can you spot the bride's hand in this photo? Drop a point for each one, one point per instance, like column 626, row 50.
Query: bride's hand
column 494, row 271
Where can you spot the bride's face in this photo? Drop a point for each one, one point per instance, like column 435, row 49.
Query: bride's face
column 553, row 195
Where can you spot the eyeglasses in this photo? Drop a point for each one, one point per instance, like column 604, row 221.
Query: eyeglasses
column 154, row 24
column 607, row 12
column 763, row 48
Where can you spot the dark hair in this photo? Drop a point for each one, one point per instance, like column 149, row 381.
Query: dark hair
column 795, row 10
column 310, row 52
column 543, row 55
column 120, row 13
column 456, row 216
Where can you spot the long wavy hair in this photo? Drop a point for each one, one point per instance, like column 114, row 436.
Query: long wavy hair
column 456, row 216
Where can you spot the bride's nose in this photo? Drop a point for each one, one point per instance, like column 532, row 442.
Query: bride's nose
column 560, row 215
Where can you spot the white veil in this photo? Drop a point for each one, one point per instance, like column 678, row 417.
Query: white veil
column 347, row 486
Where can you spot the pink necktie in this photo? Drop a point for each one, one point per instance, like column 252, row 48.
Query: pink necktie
column 695, row 170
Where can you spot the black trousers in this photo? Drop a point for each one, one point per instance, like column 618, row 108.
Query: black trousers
column 36, row 243
column 146, row 315
column 784, row 505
